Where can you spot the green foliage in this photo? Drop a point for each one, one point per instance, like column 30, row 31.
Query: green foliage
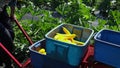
column 73, row 12
column 116, row 16
column 89, row 2
column 114, row 20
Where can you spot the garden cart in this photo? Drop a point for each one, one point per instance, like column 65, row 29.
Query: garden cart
column 87, row 61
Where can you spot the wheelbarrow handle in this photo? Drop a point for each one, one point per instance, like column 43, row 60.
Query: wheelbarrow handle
column 13, row 58
column 23, row 31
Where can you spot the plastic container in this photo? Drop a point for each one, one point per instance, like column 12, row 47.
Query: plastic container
column 89, row 62
column 107, row 47
column 43, row 61
column 65, row 52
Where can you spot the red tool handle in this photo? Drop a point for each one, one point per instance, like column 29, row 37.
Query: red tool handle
column 14, row 59
column 23, row 31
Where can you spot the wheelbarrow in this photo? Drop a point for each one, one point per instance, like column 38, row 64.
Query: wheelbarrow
column 87, row 62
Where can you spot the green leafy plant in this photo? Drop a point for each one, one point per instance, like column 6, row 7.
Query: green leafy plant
column 75, row 12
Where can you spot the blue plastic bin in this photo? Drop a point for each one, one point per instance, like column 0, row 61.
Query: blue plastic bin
column 107, row 47
column 65, row 52
column 43, row 61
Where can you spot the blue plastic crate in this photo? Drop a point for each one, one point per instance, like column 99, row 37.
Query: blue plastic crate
column 43, row 61
column 107, row 47
column 65, row 52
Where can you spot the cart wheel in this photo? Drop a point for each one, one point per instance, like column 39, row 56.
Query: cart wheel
column 84, row 65
column 90, row 61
